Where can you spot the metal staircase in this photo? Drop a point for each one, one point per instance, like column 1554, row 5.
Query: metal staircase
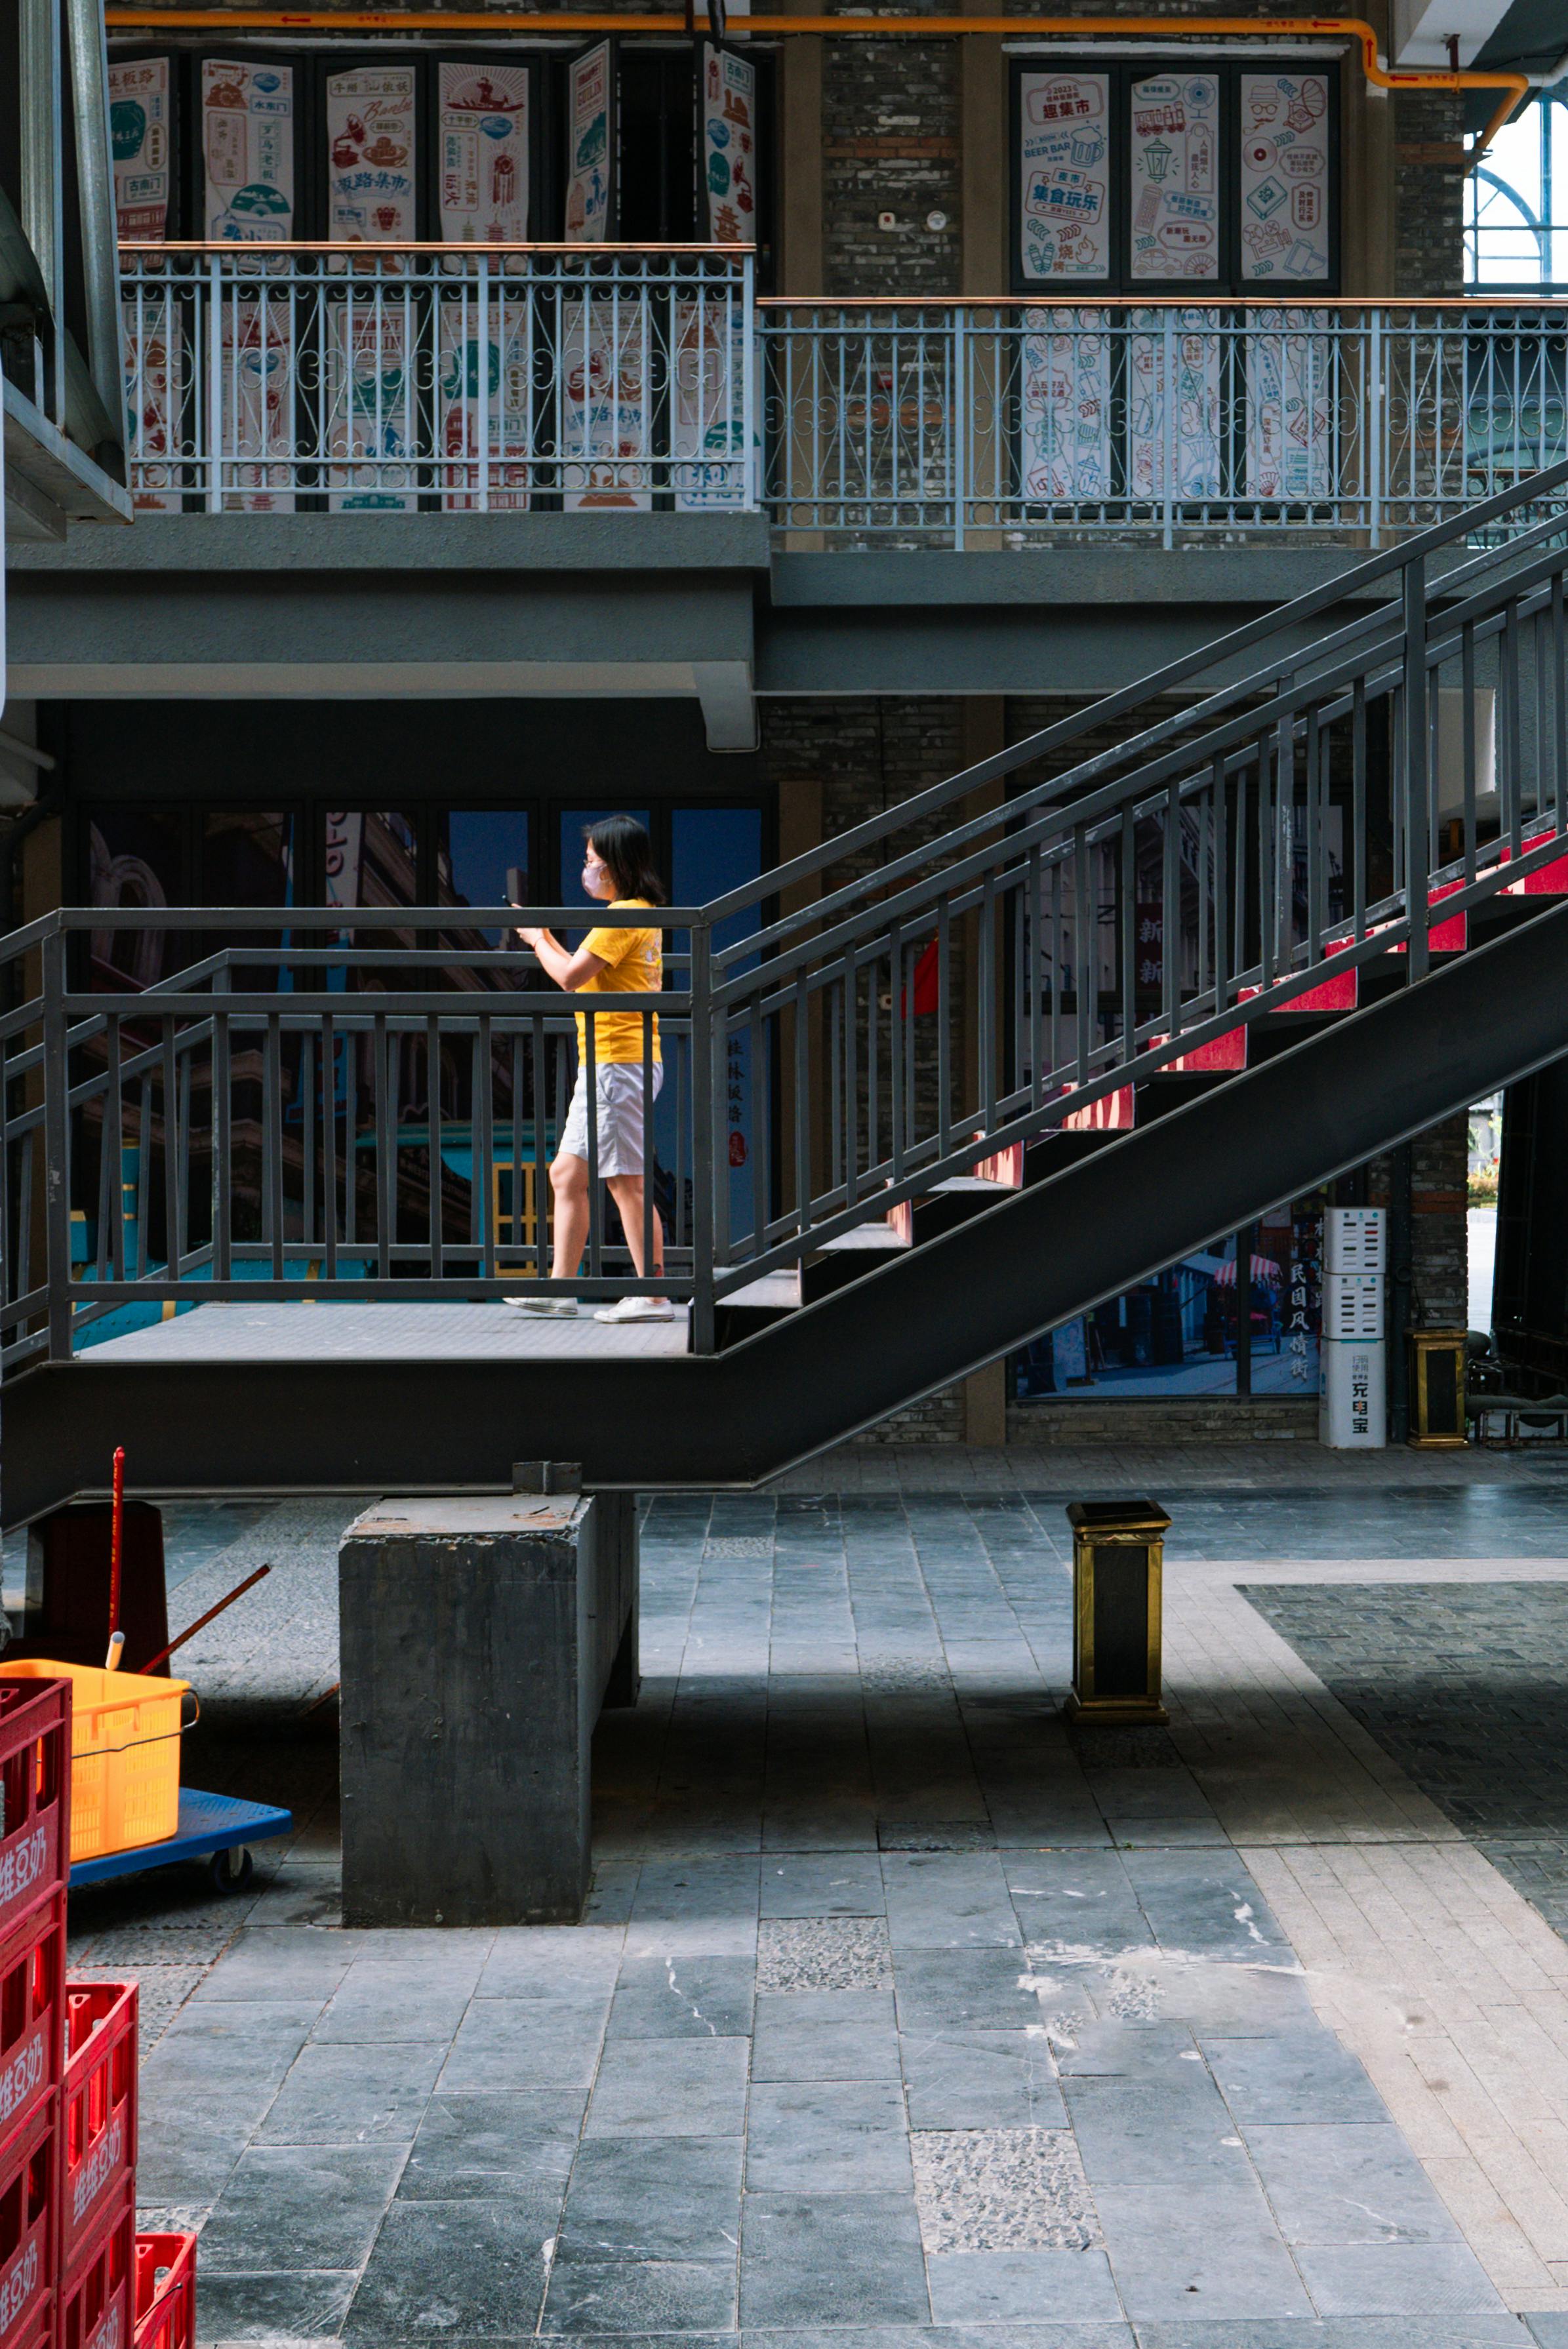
column 945, row 1081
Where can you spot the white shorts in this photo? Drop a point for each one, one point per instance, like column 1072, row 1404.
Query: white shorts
column 619, row 1126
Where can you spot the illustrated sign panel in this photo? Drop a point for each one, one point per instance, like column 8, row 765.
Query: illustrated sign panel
column 1174, row 177
column 1284, row 176
column 729, row 146
column 1290, row 406
column 153, row 352
column 482, row 115
column 604, row 395
column 1065, row 412
column 1063, row 149
column 255, row 349
column 588, row 147
column 247, row 151
column 485, row 387
column 1173, row 405
column 371, row 154
column 370, row 409
column 708, row 422
column 140, row 123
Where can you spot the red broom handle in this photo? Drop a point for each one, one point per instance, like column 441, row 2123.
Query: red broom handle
column 201, row 1622
column 116, row 1524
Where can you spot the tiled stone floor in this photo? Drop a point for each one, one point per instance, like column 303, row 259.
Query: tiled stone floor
column 900, row 2017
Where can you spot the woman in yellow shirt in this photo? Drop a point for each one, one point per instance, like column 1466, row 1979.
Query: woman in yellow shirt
column 617, row 869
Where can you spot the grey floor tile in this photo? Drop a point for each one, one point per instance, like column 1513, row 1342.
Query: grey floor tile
column 641, row 2297
column 837, row 1884
column 294, row 2209
column 654, row 2198
column 948, row 1901
column 338, row 2094
column 784, row 2049
column 508, row 2043
column 827, row 2138
column 661, row 1997
column 1145, row 2052
column 1302, row 2075
column 1171, row 2268
column 986, row 1988
column 280, row 1963
column 1495, row 2332
column 873, row 2009
column 1018, row 2287
column 1398, row 2279
column 663, row 2087
column 1336, row 2182
column 271, row 2308
column 517, row 2147
column 980, row 2079
column 560, row 1965
column 826, row 2259
column 446, row 2267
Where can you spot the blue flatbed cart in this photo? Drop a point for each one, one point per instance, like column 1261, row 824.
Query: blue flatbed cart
column 218, row 1829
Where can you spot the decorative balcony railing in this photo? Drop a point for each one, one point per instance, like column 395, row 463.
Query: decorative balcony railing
column 501, row 379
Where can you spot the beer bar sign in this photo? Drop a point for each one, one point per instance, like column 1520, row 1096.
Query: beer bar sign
column 1063, row 149
column 482, row 111
column 371, row 154
column 247, row 151
column 140, row 124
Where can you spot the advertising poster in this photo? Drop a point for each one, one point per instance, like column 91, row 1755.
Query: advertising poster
column 589, row 146
column 1284, row 176
column 1065, row 410
column 1173, row 428
column 141, row 129
column 729, row 162
column 255, row 351
column 372, row 154
column 708, row 422
column 1290, row 406
column 247, row 151
column 605, row 397
column 1173, row 161
column 152, row 358
column 482, row 129
column 371, row 409
column 1065, row 220
column 485, row 392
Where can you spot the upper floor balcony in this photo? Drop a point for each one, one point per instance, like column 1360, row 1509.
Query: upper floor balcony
column 534, row 378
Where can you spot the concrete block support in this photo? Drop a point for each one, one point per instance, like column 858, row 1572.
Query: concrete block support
column 479, row 1637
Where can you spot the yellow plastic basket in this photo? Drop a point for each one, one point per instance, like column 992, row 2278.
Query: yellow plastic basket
column 125, row 1754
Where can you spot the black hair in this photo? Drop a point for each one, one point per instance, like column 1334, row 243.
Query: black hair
column 624, row 849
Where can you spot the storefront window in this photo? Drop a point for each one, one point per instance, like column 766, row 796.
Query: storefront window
column 135, row 858
column 475, row 852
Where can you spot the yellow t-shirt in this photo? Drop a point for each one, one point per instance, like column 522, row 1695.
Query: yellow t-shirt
column 634, row 965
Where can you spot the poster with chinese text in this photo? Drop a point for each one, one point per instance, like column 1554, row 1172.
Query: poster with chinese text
column 255, row 352
column 1290, row 406
column 140, row 129
column 590, row 144
column 1173, row 164
column 708, row 420
column 370, row 409
column 1284, row 178
column 247, row 151
column 484, row 389
column 1173, row 426
column 481, row 113
column 606, row 404
column 153, row 350
column 729, row 157
column 372, row 154
column 1064, row 221
column 1065, row 412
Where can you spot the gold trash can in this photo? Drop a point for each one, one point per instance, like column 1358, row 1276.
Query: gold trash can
column 1436, row 1390
column 1118, row 1561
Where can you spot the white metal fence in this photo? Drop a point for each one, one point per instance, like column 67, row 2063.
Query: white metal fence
column 494, row 379
column 507, row 379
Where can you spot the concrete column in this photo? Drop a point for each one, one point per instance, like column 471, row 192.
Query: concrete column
column 479, row 1637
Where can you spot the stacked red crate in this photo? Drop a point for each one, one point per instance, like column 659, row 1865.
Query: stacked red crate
column 35, row 1860
column 74, row 2273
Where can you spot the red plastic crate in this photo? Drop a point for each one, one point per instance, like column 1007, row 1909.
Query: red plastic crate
column 34, row 1791
column 32, row 2012
column 97, row 2309
column 165, row 2291
column 98, row 2135
column 30, row 2233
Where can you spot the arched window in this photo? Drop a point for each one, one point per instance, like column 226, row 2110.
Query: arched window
column 1516, row 204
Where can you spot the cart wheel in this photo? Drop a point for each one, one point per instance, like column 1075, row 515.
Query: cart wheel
column 232, row 1870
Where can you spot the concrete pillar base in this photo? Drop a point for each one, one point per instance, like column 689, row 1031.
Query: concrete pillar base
column 479, row 1637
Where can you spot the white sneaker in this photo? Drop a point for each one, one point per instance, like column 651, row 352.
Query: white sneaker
column 638, row 1308
column 547, row 1308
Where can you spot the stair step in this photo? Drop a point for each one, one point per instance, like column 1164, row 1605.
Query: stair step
column 944, row 1207
column 848, row 1258
column 773, row 1297
column 1068, row 1146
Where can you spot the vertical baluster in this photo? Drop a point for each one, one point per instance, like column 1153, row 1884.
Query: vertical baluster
column 1359, row 807
column 760, row 1092
column 272, row 1110
column 591, row 1083
column 143, row 1176
column 1414, row 796
column 1053, row 962
column 113, row 1143
column 1559, row 706
column 541, row 1161
column 381, row 1087
column 1030, row 923
column 517, row 1198
column 435, row 1235
column 986, row 1008
column 1467, row 730
column 306, row 1132
column 803, row 1090
column 1317, row 879
column 484, row 1146
column 1219, row 871
column 833, row 1011
column 703, row 1337
column 851, row 1075
column 1512, row 776
column 1170, row 912
column 1125, row 883
column 1084, row 955
column 170, row 1096
column 329, row 1149
column 648, row 1167
column 896, row 1049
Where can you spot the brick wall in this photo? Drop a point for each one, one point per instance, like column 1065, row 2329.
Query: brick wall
column 1429, row 194
column 890, row 143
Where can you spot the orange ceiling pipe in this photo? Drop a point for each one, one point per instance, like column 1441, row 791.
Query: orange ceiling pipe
column 1514, row 85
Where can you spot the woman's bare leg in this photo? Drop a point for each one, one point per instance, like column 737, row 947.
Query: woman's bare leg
column 569, row 1183
column 626, row 1191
